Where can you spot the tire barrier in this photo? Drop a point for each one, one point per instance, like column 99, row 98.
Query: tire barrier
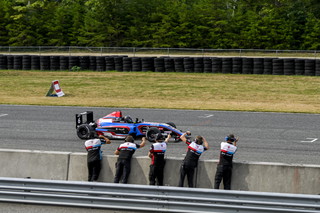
column 74, row 62
column 178, row 64
column 158, row 64
column 3, row 62
column 258, row 65
column 26, row 62
column 309, row 67
column 44, row 62
column 118, row 63
column 35, row 62
column 127, row 64
column 188, row 64
column 54, row 63
column 92, row 63
column 267, row 66
column 216, row 65
column 147, row 64
column 169, row 64
column 317, row 72
column 236, row 65
column 226, row 65
column 17, row 62
column 84, row 62
column 247, row 66
column 110, row 63
column 64, row 63
column 198, row 64
column 101, row 63
column 136, row 64
column 277, row 66
column 288, row 66
column 299, row 66
column 207, row 65
column 10, row 62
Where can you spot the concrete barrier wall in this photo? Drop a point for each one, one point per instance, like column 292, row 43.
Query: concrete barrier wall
column 263, row 177
column 34, row 164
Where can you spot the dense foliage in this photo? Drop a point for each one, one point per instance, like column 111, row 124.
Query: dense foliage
column 245, row 24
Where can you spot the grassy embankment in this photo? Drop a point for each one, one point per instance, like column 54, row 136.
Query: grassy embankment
column 164, row 90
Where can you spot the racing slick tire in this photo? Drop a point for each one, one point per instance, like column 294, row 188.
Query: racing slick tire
column 85, row 131
column 172, row 124
column 152, row 133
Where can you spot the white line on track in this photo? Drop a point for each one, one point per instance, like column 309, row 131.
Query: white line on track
column 2, row 115
column 310, row 140
column 206, row 116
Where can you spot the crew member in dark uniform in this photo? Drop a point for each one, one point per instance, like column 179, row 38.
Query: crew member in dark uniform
column 190, row 162
column 94, row 156
column 156, row 153
column 125, row 152
column 224, row 167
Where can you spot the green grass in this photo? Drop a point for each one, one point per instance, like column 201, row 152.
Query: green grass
column 164, row 90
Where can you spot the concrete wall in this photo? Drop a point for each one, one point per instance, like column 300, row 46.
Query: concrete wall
column 264, row 177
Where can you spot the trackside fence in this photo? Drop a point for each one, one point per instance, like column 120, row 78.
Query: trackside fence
column 141, row 198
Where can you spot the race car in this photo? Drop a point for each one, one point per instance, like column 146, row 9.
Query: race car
column 115, row 126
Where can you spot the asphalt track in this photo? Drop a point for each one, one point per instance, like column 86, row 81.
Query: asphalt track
column 264, row 137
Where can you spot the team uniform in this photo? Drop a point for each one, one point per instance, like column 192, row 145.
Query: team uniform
column 224, row 167
column 123, row 165
column 190, row 162
column 94, row 157
column 157, row 163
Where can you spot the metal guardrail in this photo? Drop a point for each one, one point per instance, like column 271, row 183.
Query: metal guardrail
column 136, row 51
column 141, row 198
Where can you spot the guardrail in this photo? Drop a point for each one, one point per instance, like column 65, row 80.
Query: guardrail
column 142, row 198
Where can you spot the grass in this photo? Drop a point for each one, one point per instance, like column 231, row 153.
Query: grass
column 200, row 91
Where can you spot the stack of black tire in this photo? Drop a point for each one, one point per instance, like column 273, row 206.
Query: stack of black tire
column 3, row 62
column 227, row 65
column 147, row 64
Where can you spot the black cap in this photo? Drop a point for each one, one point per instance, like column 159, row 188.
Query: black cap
column 159, row 137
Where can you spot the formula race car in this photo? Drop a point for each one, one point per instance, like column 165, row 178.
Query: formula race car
column 115, row 126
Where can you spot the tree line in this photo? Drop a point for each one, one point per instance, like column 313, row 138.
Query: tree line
column 210, row 24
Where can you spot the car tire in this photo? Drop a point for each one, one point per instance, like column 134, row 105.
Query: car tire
column 85, row 131
column 172, row 124
column 152, row 133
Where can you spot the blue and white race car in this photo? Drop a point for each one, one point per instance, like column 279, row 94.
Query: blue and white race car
column 115, row 126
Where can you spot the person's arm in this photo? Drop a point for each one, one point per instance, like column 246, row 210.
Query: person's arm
column 235, row 142
column 183, row 136
column 205, row 143
column 143, row 142
column 105, row 138
column 168, row 138
column 117, row 152
column 150, row 154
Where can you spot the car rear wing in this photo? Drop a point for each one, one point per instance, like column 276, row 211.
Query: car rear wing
column 84, row 118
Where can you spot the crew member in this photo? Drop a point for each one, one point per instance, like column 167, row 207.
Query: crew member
column 94, row 156
column 224, row 167
column 190, row 162
column 125, row 152
column 157, row 153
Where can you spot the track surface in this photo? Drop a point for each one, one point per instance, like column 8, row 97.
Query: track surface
column 264, row 137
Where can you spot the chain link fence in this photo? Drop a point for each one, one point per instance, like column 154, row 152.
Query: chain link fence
column 142, row 51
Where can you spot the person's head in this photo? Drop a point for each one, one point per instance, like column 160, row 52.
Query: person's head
column 230, row 138
column 159, row 137
column 128, row 119
column 129, row 138
column 199, row 140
